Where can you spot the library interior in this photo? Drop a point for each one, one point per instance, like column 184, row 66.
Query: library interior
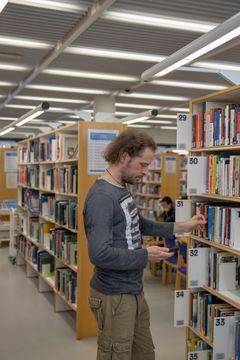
column 120, row 179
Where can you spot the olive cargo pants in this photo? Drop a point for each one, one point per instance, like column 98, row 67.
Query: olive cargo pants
column 123, row 323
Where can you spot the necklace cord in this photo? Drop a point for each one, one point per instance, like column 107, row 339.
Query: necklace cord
column 118, row 182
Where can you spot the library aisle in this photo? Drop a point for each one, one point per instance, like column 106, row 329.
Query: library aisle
column 30, row 329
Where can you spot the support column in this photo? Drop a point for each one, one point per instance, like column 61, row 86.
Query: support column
column 104, row 108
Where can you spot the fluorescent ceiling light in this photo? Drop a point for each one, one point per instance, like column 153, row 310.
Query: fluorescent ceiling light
column 8, row 118
column 18, row 106
column 114, row 54
column 6, row 131
column 139, row 119
column 67, row 122
column 135, row 106
column 30, row 117
column 51, row 5
column 178, row 109
column 217, row 65
column 140, row 126
column 159, row 121
column 155, row 96
column 162, row 116
column 169, row 127
column 124, row 113
column 42, row 98
column 13, row 67
column 3, row 3
column 215, row 38
column 25, row 43
column 160, row 21
column 90, row 75
column 188, row 84
column 67, row 89
column 7, row 83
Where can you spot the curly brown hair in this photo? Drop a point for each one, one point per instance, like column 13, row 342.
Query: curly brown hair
column 131, row 141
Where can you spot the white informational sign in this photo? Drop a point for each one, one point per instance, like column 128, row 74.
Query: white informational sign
column 181, row 308
column 196, row 175
column 97, row 143
column 11, row 180
column 184, row 131
column 198, row 258
column 199, row 355
column 223, row 338
column 170, row 165
column 10, row 161
column 183, row 212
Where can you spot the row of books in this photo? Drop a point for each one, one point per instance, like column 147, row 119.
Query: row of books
column 156, row 162
column 207, row 309
column 62, row 242
column 64, row 212
column 50, row 148
column 223, row 223
column 223, row 174
column 29, row 176
column 196, row 344
column 147, row 203
column 216, row 125
column 29, row 198
column 152, row 176
column 62, row 179
column 224, row 270
column 65, row 278
column 66, row 284
column 34, row 227
column 151, row 189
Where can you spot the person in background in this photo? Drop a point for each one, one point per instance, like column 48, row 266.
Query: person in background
column 114, row 229
column 168, row 209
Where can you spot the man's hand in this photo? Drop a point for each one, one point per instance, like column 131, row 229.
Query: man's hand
column 197, row 222
column 156, row 253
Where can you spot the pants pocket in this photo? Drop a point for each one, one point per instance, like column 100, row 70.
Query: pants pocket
column 96, row 307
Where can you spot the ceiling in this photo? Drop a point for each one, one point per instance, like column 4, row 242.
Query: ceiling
column 30, row 29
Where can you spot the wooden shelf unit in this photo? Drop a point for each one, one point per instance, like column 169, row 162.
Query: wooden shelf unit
column 227, row 96
column 166, row 185
column 85, row 322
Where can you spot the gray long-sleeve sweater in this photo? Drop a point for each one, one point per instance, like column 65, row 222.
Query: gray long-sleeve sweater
column 114, row 230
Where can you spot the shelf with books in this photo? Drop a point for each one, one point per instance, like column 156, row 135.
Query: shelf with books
column 161, row 180
column 51, row 161
column 216, row 245
column 214, row 187
column 230, row 297
column 201, row 336
column 57, row 224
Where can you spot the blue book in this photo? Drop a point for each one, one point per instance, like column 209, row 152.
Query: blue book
column 211, row 214
column 216, row 128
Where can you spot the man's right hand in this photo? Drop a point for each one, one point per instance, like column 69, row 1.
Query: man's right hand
column 156, row 253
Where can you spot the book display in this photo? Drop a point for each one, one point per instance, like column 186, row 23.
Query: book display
column 162, row 180
column 55, row 171
column 214, row 253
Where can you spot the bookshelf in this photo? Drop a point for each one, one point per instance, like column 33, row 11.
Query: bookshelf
column 215, row 152
column 162, row 179
column 55, row 172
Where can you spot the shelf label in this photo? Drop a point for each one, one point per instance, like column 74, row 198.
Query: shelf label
column 198, row 259
column 183, row 209
column 199, row 355
column 184, row 131
column 223, row 338
column 181, row 308
column 196, row 175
